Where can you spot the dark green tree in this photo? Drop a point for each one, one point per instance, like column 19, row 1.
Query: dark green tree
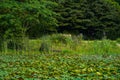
column 21, row 17
column 94, row 18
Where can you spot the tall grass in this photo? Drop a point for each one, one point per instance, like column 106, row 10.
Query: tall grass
column 63, row 44
column 104, row 47
column 76, row 44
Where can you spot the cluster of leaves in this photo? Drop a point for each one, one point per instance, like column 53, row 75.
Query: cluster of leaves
column 92, row 18
column 17, row 17
column 36, row 17
column 26, row 17
column 59, row 67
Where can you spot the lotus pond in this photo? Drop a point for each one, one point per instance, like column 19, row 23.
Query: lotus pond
column 59, row 66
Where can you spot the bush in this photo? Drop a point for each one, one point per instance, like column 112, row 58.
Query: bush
column 45, row 47
column 55, row 43
column 61, row 38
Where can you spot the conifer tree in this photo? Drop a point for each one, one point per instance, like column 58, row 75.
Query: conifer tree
column 93, row 18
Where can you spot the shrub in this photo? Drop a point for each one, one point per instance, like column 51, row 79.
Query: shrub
column 18, row 44
column 55, row 42
column 61, row 38
column 45, row 47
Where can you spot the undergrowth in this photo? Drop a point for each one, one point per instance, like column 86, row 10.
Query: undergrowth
column 78, row 45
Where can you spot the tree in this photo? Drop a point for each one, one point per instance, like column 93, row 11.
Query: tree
column 94, row 18
column 19, row 17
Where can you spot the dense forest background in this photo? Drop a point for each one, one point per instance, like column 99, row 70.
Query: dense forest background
column 34, row 18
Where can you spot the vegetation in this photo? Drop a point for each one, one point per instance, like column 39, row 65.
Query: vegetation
column 59, row 66
column 59, row 39
column 34, row 18
column 18, row 19
column 77, row 59
column 76, row 44
column 94, row 19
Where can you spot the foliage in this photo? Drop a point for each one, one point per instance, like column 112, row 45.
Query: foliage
column 59, row 66
column 61, row 38
column 18, row 44
column 23, row 18
column 92, row 18
column 34, row 18
column 45, row 47
column 59, row 43
column 104, row 47
column 17, row 18
column 56, row 42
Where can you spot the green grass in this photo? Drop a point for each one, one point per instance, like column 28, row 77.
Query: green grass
column 59, row 66
column 74, row 44
column 88, row 47
column 82, row 47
